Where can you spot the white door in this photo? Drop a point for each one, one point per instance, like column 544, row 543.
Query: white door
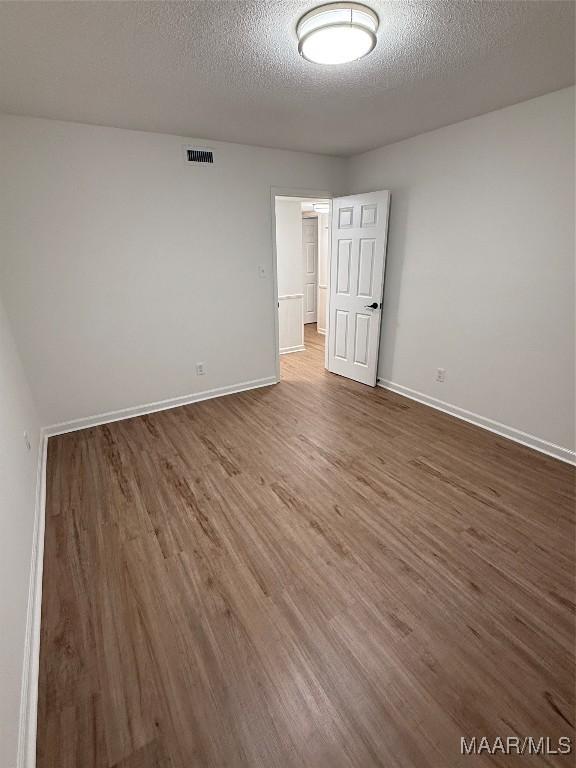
column 323, row 271
column 358, row 257
column 310, row 261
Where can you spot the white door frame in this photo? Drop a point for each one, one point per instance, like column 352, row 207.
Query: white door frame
column 306, row 194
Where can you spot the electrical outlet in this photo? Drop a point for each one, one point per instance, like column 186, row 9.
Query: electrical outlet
column 441, row 375
column 200, row 369
column 27, row 442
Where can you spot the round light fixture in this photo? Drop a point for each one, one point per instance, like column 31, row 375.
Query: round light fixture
column 337, row 33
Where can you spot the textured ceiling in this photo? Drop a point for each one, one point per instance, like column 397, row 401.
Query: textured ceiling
column 231, row 71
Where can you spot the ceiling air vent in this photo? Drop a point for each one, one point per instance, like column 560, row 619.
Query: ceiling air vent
column 198, row 155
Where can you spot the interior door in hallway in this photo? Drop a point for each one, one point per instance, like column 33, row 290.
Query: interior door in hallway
column 358, row 257
column 310, row 266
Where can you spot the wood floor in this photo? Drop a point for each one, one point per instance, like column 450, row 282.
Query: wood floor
column 310, row 575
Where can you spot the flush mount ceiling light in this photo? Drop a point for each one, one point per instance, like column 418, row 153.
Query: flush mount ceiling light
column 337, row 33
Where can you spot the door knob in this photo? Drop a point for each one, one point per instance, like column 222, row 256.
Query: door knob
column 374, row 305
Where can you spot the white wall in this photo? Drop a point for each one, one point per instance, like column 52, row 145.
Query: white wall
column 290, row 275
column 480, row 267
column 123, row 266
column 18, row 476
column 289, row 246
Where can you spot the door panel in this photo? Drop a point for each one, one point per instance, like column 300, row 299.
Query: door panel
column 369, row 215
column 341, row 335
column 366, row 268
column 359, row 233
column 344, row 259
column 310, row 264
column 345, row 217
column 310, row 297
column 361, row 339
column 310, row 258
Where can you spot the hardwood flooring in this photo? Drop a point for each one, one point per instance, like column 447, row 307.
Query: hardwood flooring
column 310, row 575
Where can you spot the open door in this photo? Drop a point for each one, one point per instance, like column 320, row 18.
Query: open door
column 358, row 258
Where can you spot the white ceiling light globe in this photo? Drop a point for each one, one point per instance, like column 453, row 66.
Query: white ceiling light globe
column 337, row 33
column 336, row 45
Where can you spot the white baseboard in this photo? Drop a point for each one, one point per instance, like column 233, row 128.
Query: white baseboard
column 321, row 332
column 161, row 405
column 29, row 696
column 288, row 350
column 564, row 454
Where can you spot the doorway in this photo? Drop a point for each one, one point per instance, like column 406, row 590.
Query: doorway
column 302, row 238
column 329, row 264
